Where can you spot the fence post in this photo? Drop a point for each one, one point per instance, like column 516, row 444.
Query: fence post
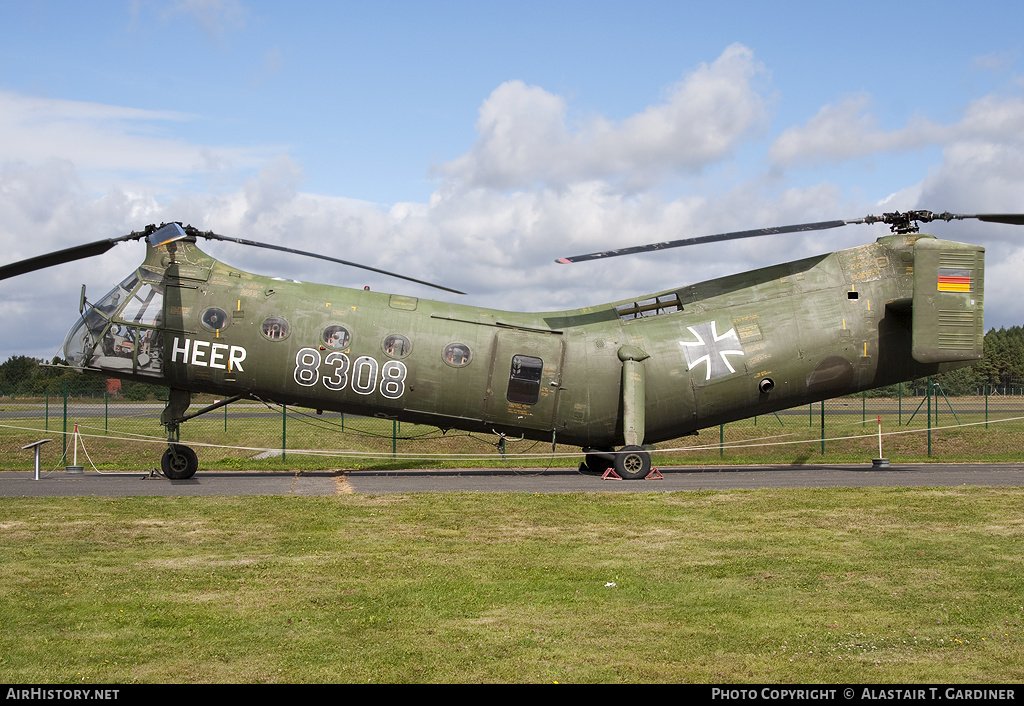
column 64, row 436
column 929, row 393
column 284, row 432
column 823, row 427
column 721, row 440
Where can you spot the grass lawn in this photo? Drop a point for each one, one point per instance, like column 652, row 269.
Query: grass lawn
column 875, row 585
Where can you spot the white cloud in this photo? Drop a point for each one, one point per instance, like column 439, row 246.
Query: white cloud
column 107, row 139
column 274, row 187
column 847, row 130
column 525, row 138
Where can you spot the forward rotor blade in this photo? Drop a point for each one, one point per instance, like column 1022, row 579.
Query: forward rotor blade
column 242, row 241
column 822, row 225
column 78, row 252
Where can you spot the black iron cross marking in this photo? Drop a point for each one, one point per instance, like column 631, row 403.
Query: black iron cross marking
column 711, row 349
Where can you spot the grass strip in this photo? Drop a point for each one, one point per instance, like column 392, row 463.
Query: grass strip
column 876, row 585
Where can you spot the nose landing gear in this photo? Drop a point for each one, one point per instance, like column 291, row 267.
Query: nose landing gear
column 179, row 462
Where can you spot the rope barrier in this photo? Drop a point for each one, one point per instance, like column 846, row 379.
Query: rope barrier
column 748, row 444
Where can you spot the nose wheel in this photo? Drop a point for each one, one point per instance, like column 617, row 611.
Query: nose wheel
column 179, row 462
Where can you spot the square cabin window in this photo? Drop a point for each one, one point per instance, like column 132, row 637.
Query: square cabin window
column 524, row 379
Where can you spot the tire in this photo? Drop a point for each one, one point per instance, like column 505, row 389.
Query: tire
column 632, row 463
column 179, row 462
column 596, row 463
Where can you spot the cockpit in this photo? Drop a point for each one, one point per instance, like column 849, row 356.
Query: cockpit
column 122, row 332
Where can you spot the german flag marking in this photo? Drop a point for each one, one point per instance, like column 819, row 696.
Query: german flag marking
column 954, row 280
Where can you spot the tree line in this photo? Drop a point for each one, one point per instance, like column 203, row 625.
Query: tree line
column 1001, row 371
column 22, row 376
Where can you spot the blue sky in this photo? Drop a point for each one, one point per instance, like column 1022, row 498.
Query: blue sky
column 471, row 143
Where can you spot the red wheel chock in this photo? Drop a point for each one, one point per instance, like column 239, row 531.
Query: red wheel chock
column 610, row 474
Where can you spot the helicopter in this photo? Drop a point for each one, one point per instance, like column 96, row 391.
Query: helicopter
column 612, row 379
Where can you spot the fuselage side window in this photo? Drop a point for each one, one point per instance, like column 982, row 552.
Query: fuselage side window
column 524, row 379
column 275, row 328
column 214, row 319
column 457, row 354
column 337, row 336
column 397, row 346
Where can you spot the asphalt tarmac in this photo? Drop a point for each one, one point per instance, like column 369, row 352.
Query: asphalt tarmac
column 557, row 480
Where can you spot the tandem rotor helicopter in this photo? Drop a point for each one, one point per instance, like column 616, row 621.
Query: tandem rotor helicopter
column 608, row 378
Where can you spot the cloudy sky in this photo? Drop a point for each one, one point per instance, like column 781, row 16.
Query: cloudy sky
column 472, row 143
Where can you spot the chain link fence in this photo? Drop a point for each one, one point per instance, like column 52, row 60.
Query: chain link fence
column 118, row 428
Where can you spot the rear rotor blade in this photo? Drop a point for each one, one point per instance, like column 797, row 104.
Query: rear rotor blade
column 897, row 222
column 822, row 225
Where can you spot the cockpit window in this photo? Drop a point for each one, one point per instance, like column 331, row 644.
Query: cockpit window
column 102, row 312
column 145, row 303
column 120, row 332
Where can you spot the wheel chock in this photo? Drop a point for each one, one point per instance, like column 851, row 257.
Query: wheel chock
column 610, row 474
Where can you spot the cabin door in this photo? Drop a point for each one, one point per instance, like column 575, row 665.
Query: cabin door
column 526, row 372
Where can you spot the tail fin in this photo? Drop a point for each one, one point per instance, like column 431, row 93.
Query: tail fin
column 949, row 285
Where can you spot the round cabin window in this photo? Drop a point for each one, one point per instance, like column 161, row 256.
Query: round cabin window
column 214, row 319
column 275, row 328
column 336, row 337
column 397, row 346
column 457, row 354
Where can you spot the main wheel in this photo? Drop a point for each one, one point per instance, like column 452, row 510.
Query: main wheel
column 179, row 462
column 632, row 463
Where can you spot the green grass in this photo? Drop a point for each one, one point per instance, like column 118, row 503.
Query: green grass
column 838, row 585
